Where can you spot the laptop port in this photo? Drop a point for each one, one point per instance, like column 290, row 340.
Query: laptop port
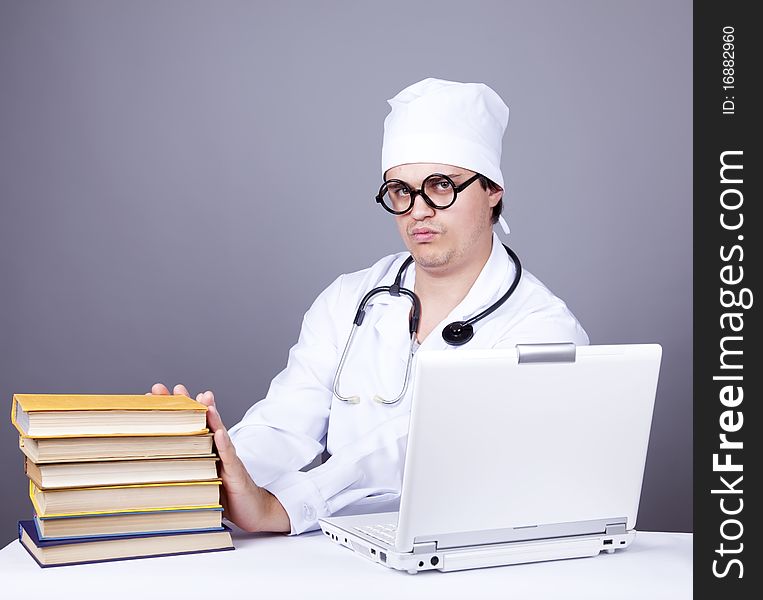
column 607, row 542
column 373, row 551
column 434, row 561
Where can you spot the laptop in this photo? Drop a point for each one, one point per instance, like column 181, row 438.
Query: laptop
column 519, row 455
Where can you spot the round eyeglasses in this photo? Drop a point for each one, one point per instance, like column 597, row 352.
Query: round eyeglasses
column 437, row 190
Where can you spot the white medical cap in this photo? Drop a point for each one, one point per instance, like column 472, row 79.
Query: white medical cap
column 438, row 121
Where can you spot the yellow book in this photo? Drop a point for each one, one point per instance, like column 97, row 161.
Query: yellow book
column 125, row 498
column 116, row 447
column 80, row 415
column 120, row 472
column 114, row 524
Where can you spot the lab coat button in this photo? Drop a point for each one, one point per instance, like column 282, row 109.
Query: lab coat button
column 309, row 512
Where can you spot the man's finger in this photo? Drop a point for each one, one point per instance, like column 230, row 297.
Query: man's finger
column 214, row 420
column 159, row 389
column 224, row 502
column 232, row 470
column 179, row 389
column 225, row 448
column 223, row 443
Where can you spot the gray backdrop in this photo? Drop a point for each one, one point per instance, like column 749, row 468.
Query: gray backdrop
column 179, row 180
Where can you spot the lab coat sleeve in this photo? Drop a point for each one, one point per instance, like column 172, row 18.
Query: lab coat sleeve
column 284, row 432
column 364, row 475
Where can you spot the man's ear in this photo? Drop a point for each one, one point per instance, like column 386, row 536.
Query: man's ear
column 495, row 197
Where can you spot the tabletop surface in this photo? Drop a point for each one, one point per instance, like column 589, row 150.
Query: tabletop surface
column 656, row 565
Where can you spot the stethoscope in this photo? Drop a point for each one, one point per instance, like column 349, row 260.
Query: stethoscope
column 457, row 333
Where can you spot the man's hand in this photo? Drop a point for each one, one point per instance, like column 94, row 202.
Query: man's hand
column 244, row 503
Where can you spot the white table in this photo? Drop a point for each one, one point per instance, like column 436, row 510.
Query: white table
column 657, row 565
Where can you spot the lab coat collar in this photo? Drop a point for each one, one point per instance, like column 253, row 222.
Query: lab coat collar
column 392, row 324
column 408, row 281
column 491, row 284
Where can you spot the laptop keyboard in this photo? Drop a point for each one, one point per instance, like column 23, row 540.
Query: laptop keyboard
column 384, row 532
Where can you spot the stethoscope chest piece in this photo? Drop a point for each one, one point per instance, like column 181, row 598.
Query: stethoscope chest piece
column 458, row 333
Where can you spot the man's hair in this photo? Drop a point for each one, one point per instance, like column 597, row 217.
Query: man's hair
column 492, row 186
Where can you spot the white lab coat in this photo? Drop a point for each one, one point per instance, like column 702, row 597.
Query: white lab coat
column 283, row 433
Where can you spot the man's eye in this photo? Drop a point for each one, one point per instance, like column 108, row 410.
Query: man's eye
column 439, row 185
column 399, row 191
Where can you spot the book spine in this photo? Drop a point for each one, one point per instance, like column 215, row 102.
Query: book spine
column 33, row 499
column 14, row 406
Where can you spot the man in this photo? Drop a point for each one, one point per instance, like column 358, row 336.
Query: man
column 441, row 164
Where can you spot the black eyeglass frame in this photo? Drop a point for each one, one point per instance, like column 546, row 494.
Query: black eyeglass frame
column 457, row 189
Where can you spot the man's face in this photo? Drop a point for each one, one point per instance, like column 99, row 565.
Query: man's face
column 449, row 238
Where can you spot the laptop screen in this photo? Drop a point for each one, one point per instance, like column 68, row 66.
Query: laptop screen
column 526, row 438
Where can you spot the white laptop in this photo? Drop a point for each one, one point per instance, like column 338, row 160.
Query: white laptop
column 518, row 455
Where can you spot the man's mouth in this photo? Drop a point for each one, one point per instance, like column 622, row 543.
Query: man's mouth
column 423, row 234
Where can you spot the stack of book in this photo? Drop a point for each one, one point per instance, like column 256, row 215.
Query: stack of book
column 118, row 477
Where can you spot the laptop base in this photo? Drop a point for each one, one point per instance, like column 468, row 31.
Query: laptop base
column 488, row 555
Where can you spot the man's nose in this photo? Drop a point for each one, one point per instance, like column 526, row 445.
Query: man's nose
column 421, row 210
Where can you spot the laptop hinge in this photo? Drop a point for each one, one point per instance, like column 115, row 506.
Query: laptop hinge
column 424, row 547
column 615, row 529
column 546, row 353
column 462, row 539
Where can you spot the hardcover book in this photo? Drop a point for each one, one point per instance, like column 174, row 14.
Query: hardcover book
column 54, row 553
column 128, row 523
column 62, row 415
column 77, row 449
column 125, row 498
column 120, row 472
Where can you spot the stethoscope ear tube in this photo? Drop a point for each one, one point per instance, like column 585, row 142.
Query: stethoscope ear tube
column 413, row 326
column 415, row 316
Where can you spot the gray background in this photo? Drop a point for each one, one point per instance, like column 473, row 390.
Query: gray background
column 179, row 180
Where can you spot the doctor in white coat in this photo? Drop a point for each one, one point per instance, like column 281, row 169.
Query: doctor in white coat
column 442, row 147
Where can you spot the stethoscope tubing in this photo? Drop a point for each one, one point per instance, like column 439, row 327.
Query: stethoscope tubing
column 454, row 334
